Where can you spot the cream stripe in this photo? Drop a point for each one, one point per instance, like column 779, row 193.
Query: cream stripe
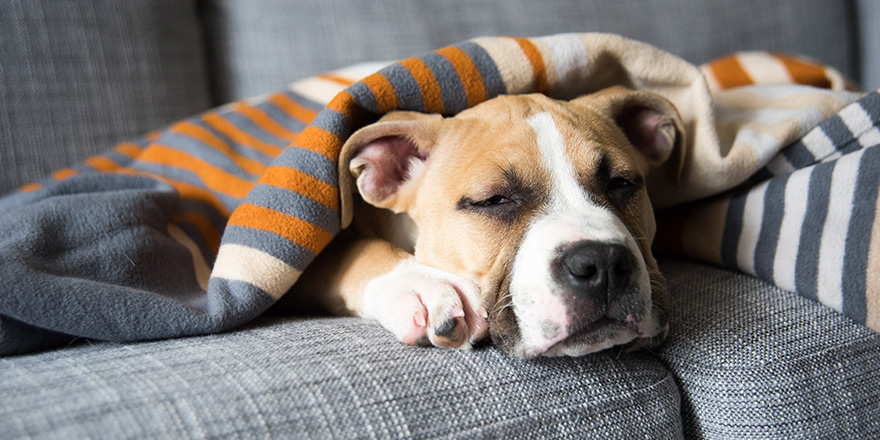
column 856, row 119
column 870, row 138
column 751, row 229
column 795, row 210
column 832, row 249
column 872, row 277
column 818, row 143
column 509, row 58
column 202, row 271
column 318, row 90
column 323, row 91
column 764, row 68
column 569, row 71
column 252, row 266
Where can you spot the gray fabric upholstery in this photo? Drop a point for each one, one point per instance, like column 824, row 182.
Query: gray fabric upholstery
column 743, row 360
column 260, row 46
column 756, row 362
column 329, row 378
column 78, row 76
column 869, row 43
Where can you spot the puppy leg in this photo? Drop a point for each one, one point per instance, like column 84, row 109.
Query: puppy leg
column 421, row 305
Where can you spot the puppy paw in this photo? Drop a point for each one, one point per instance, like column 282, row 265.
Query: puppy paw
column 422, row 305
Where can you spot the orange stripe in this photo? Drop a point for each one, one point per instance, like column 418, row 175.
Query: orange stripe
column 382, row 90
column 320, row 141
column 468, row 73
column 262, row 120
column 431, row 95
column 30, row 187
column 64, row 173
column 213, row 177
column 129, row 149
column 302, row 183
column 539, row 69
column 101, row 163
column 185, row 190
column 239, row 136
column 293, row 229
column 803, row 72
column 203, row 135
column 205, row 227
column 729, row 73
column 293, row 108
column 336, row 78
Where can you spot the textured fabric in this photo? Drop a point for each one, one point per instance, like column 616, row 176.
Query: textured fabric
column 162, row 202
column 78, row 77
column 329, row 378
column 754, row 361
column 260, row 46
column 869, row 43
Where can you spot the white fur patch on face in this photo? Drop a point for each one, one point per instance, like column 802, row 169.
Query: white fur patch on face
column 570, row 216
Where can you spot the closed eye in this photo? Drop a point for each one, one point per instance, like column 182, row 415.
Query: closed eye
column 492, row 201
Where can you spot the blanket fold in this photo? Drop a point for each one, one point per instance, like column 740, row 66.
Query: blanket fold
column 203, row 225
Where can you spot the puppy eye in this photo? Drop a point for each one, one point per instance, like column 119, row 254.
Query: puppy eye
column 495, row 200
column 618, row 183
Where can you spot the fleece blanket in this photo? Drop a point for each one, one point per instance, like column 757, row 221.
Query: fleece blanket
column 201, row 226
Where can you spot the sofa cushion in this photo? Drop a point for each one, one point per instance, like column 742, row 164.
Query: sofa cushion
column 329, row 378
column 78, row 77
column 257, row 47
column 754, row 361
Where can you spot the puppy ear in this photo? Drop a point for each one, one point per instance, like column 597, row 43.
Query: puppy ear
column 379, row 159
column 650, row 122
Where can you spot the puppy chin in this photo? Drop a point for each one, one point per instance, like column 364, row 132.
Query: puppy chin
column 601, row 335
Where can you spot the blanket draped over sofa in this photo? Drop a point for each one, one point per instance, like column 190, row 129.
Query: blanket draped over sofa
column 201, row 226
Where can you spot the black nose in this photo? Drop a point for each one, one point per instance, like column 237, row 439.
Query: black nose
column 596, row 271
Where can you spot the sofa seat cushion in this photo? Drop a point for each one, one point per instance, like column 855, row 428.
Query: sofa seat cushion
column 329, row 378
column 754, row 361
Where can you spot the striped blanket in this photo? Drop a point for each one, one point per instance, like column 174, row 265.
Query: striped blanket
column 201, row 226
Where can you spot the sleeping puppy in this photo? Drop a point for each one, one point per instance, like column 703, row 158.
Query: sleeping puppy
column 524, row 218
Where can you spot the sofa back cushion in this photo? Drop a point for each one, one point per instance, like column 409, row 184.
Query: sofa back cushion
column 77, row 77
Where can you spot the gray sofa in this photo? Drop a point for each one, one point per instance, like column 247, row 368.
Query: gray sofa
column 743, row 358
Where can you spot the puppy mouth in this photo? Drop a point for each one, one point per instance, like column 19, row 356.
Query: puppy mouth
column 594, row 336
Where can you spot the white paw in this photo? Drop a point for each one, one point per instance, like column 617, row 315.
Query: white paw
column 423, row 305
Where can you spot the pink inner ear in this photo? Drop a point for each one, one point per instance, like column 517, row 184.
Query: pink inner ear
column 383, row 165
column 650, row 131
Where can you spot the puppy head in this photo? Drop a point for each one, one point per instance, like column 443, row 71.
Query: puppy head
column 540, row 202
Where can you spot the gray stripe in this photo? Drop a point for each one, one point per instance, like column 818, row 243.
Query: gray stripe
column 768, row 239
column 451, row 89
column 247, row 152
column 807, row 266
column 858, row 239
column 409, row 95
column 295, row 205
column 281, row 117
column 798, row 155
column 484, row 63
column 333, row 122
column 312, row 163
column 305, row 102
column 201, row 151
column 185, row 176
column 279, row 247
column 364, row 97
column 245, row 124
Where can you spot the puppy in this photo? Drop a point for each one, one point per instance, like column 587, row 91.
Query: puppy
column 524, row 218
